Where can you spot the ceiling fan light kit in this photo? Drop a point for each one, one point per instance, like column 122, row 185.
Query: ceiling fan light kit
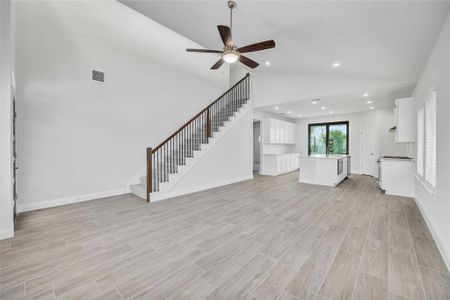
column 231, row 53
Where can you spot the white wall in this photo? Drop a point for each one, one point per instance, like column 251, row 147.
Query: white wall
column 237, row 71
column 78, row 137
column 386, row 139
column 229, row 160
column 436, row 207
column 382, row 120
column 6, row 92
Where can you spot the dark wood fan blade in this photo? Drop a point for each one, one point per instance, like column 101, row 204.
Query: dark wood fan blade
column 248, row 62
column 225, row 35
column 258, row 46
column 217, row 64
column 203, row 50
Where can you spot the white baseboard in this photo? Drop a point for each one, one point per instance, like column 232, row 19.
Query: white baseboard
column 6, row 233
column 69, row 200
column 436, row 238
column 279, row 173
column 162, row 196
column 356, row 173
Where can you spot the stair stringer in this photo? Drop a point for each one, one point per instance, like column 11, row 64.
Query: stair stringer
column 178, row 183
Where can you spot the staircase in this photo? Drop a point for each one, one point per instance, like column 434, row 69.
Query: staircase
column 171, row 159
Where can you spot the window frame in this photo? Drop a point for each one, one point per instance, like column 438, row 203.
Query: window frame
column 427, row 102
column 327, row 126
column 420, row 160
column 423, row 178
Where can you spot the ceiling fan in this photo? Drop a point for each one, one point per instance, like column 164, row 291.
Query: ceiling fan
column 230, row 53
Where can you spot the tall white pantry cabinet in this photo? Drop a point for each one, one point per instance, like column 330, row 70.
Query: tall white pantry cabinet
column 277, row 144
column 278, row 131
column 405, row 120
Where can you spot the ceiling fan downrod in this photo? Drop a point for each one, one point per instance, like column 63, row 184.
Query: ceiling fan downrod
column 230, row 53
column 231, row 5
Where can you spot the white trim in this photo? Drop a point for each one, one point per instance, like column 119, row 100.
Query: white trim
column 6, row 233
column 280, row 173
column 426, row 186
column 162, row 196
column 69, row 200
column 440, row 245
column 359, row 173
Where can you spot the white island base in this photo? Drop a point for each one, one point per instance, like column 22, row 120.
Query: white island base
column 329, row 170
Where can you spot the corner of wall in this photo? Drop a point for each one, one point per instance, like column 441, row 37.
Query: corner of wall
column 6, row 95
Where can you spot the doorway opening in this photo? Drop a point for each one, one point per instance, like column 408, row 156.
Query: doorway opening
column 256, row 147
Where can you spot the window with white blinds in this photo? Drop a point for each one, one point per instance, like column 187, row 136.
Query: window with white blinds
column 430, row 138
column 420, row 140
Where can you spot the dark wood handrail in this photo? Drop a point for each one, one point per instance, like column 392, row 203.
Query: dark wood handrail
column 191, row 126
column 202, row 111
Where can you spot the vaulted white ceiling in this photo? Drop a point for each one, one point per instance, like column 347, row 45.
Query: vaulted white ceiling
column 372, row 40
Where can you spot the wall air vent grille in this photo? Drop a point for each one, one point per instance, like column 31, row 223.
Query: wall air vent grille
column 98, row 76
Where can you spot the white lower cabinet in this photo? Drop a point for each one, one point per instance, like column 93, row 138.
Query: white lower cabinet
column 276, row 164
column 397, row 177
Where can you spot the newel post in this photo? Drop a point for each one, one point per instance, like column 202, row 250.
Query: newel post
column 149, row 173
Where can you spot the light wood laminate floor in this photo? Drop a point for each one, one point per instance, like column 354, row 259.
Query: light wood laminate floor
column 268, row 238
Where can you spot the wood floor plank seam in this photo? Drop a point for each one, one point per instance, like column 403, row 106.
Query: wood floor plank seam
column 284, row 239
column 417, row 262
column 362, row 255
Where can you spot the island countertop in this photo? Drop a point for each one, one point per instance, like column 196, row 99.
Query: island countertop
column 324, row 156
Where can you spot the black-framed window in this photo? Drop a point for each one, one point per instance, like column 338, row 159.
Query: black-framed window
column 328, row 138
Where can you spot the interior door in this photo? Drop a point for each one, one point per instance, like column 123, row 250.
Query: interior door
column 368, row 150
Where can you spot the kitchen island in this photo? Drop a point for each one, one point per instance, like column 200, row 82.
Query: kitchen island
column 329, row 170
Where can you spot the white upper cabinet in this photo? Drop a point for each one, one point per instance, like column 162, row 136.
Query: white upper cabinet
column 278, row 132
column 405, row 120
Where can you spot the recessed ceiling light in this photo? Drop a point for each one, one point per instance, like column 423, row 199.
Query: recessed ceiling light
column 323, row 107
column 330, row 112
column 267, row 63
column 371, row 107
column 365, row 95
column 299, row 116
column 277, row 108
column 369, row 102
column 289, row 112
column 336, row 64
